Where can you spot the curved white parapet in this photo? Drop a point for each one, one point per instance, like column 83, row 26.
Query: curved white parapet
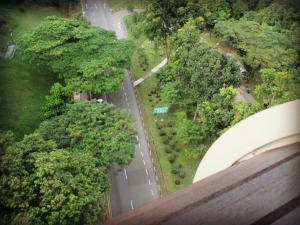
column 268, row 129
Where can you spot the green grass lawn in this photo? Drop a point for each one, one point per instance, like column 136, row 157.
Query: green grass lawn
column 23, row 87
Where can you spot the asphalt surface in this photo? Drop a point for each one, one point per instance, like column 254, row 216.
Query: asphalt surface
column 136, row 185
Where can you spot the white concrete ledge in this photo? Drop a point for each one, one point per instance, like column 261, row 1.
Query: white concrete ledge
column 271, row 128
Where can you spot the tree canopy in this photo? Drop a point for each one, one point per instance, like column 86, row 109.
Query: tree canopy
column 98, row 129
column 90, row 59
column 197, row 75
column 41, row 184
column 58, row 175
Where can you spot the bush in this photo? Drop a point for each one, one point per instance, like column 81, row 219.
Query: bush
column 173, row 132
column 170, row 124
column 168, row 150
column 149, row 94
column 172, row 159
column 162, row 133
column 181, row 173
column 177, row 182
column 175, row 168
column 170, row 137
column 159, row 126
column 177, row 149
column 173, row 144
column 165, row 140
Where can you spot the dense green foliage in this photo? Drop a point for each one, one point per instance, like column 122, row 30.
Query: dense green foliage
column 58, row 175
column 258, row 45
column 41, row 184
column 99, row 129
column 90, row 59
column 57, row 100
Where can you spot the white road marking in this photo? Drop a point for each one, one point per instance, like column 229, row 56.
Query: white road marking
column 129, row 110
column 142, row 154
column 120, row 25
column 149, row 181
column 152, row 192
column 104, row 5
column 144, row 162
column 104, row 19
column 126, row 99
column 125, row 173
column 94, row 21
column 125, row 93
column 128, row 105
column 147, row 172
column 96, row 6
column 139, row 145
column 131, row 204
column 137, row 138
column 86, row 6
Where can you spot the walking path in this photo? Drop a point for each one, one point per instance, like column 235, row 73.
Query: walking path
column 137, row 82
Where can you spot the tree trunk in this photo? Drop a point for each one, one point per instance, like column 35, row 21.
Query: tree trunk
column 89, row 96
column 166, row 45
column 196, row 112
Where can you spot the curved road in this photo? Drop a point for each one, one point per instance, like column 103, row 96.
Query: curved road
column 137, row 183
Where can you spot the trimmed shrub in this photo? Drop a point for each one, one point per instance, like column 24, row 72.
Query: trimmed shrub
column 162, row 133
column 173, row 144
column 159, row 126
column 177, row 149
column 170, row 124
column 181, row 173
column 165, row 140
column 177, row 182
column 170, row 137
column 172, row 159
column 168, row 150
column 175, row 168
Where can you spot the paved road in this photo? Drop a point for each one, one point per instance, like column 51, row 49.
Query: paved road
column 136, row 184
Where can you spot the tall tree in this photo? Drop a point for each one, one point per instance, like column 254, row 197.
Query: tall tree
column 276, row 87
column 217, row 114
column 201, row 72
column 57, row 100
column 258, row 45
column 90, row 59
column 100, row 130
column 41, row 184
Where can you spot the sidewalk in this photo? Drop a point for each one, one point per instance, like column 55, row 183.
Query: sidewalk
column 243, row 96
column 137, row 82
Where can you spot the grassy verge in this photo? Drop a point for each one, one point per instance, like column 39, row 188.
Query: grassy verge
column 117, row 4
column 162, row 150
column 22, row 88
